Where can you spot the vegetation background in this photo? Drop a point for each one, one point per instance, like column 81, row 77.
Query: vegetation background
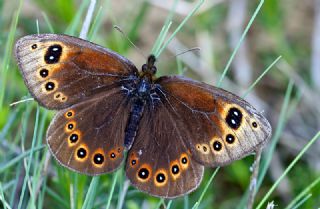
column 288, row 94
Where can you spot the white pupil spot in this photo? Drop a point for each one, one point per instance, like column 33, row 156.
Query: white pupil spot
column 51, row 57
column 235, row 113
column 233, row 121
column 98, row 158
column 55, row 49
column 160, row 178
column 143, row 173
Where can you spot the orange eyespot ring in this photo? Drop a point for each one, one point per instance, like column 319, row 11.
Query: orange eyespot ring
column 74, row 137
column 98, row 158
column 175, row 169
column 81, row 153
column 70, row 126
column 144, row 173
column 184, row 161
column 69, row 114
column 50, row 86
column 133, row 160
column 160, row 178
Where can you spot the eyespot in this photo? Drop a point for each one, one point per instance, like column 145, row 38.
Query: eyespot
column 112, row 155
column 230, row 139
column 254, row 124
column 144, row 173
column 69, row 114
column 53, row 54
column 34, row 46
column 133, row 160
column 161, row 178
column 70, row 126
column 175, row 169
column 44, row 73
column 57, row 95
column 184, row 161
column 217, row 146
column 98, row 158
column 74, row 137
column 50, row 86
column 81, row 153
column 234, row 118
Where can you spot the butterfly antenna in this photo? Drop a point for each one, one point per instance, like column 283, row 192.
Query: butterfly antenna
column 188, row 50
column 128, row 39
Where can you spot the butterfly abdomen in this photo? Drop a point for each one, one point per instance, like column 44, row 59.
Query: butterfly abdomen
column 133, row 122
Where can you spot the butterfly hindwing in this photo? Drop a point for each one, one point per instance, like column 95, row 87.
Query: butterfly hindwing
column 89, row 137
column 220, row 127
column 61, row 70
column 159, row 161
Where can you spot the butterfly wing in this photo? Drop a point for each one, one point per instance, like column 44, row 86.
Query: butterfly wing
column 159, row 161
column 218, row 126
column 61, row 70
column 88, row 137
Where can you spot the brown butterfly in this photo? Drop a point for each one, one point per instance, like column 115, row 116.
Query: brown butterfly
column 171, row 126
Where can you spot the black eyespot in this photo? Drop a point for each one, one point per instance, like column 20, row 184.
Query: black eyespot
column 57, row 95
column 34, row 46
column 81, row 153
column 160, row 178
column 234, row 118
column 70, row 126
column 112, row 155
column 184, row 160
column 69, row 114
column 217, row 146
column 53, row 54
column 143, row 173
column 44, row 73
column 204, row 148
column 74, row 138
column 230, row 138
column 133, row 162
column 175, row 169
column 49, row 86
column 254, row 124
column 98, row 158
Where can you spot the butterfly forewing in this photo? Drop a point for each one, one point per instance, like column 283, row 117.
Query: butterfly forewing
column 60, row 70
column 219, row 126
column 88, row 137
column 159, row 161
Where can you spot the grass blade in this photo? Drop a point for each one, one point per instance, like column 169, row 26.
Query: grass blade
column 265, row 198
column 240, row 42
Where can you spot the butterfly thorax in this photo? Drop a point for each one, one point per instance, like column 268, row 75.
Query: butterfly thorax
column 140, row 94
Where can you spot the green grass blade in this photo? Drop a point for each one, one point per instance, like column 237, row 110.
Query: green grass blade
column 198, row 5
column 296, row 159
column 114, row 181
column 197, row 204
column 280, row 126
column 46, row 19
column 302, row 201
column 91, row 194
column 8, row 53
column 164, row 31
column 20, row 157
column 26, row 179
column 303, row 193
column 260, row 77
column 240, row 42
column 5, row 204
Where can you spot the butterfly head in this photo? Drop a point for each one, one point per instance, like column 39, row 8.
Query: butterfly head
column 149, row 68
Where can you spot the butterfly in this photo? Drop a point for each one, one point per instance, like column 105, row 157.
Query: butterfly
column 165, row 130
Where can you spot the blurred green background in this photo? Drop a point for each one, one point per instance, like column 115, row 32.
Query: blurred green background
column 287, row 28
